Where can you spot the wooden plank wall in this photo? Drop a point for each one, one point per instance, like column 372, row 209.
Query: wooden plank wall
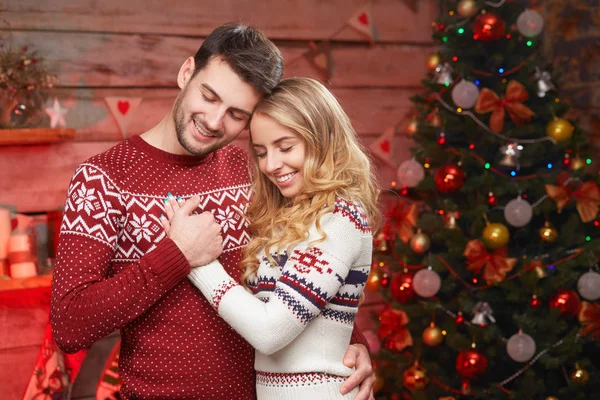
column 572, row 42
column 135, row 48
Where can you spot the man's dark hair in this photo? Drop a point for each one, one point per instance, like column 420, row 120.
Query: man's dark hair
column 253, row 57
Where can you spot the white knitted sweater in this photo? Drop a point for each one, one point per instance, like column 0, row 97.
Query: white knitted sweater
column 301, row 315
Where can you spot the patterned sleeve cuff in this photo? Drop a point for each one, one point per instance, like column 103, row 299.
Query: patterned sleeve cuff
column 213, row 281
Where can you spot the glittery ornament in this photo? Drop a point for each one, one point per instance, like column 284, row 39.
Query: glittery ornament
column 566, row 301
column 432, row 335
column 580, row 376
column 548, row 233
column 415, row 378
column 560, row 129
column 495, row 235
column 471, row 364
column 466, row 8
column 449, row 178
column 488, row 26
column 420, row 242
column 401, row 287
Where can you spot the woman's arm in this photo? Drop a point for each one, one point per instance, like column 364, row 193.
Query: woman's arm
column 310, row 278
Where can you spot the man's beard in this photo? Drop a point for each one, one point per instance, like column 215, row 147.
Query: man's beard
column 180, row 128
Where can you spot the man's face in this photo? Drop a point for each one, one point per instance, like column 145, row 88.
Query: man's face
column 213, row 108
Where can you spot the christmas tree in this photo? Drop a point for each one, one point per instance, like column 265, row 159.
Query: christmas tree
column 488, row 261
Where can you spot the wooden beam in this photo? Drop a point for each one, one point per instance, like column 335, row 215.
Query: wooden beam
column 36, row 178
column 98, row 59
column 293, row 19
column 35, row 136
column 371, row 110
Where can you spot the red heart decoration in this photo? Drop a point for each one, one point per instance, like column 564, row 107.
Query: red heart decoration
column 363, row 18
column 385, row 146
column 123, row 106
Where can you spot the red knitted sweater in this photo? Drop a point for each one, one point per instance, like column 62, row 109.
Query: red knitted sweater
column 116, row 269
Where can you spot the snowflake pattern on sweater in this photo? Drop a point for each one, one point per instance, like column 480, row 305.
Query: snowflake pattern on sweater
column 116, row 270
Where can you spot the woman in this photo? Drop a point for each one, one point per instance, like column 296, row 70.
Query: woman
column 312, row 214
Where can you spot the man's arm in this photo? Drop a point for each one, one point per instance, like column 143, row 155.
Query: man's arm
column 357, row 356
column 86, row 304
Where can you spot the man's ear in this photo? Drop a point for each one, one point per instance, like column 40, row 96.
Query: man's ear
column 185, row 72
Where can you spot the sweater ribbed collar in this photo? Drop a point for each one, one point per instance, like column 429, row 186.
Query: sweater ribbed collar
column 169, row 158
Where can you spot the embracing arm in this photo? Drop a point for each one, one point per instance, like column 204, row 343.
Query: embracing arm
column 86, row 304
column 310, row 278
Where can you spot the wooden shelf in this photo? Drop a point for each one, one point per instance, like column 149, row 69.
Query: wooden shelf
column 11, row 137
column 26, row 283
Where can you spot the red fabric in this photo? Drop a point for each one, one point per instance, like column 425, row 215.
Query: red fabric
column 115, row 270
column 358, row 338
column 54, row 371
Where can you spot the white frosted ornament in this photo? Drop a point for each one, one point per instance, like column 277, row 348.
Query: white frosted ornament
column 588, row 286
column 410, row 173
column 520, row 347
column 530, row 23
column 426, row 282
column 518, row 212
column 465, row 94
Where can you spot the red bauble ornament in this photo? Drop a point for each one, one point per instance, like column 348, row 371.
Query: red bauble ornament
column 449, row 178
column 535, row 302
column 488, row 26
column 567, row 301
column 402, row 287
column 492, row 200
column 385, row 280
column 471, row 364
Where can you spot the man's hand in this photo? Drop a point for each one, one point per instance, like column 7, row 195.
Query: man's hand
column 198, row 236
column 357, row 356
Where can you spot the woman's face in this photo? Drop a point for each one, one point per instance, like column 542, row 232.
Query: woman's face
column 280, row 153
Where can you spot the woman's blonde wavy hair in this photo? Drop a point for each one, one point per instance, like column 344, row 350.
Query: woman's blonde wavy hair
column 335, row 165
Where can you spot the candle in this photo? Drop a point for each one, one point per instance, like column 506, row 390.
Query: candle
column 21, row 260
column 5, row 230
column 23, row 270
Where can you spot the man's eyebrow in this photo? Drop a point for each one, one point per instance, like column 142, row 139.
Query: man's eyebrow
column 235, row 109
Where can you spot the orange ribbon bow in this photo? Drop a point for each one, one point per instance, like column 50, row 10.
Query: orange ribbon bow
column 587, row 197
column 516, row 94
column 405, row 215
column 589, row 318
column 496, row 264
column 393, row 329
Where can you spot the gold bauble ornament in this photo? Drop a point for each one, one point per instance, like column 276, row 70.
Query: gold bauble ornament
column 577, row 163
column 495, row 235
column 467, row 8
column 432, row 336
column 374, row 281
column 551, row 398
column 580, row 376
column 433, row 61
column 548, row 233
column 560, row 129
column 415, row 378
column 420, row 242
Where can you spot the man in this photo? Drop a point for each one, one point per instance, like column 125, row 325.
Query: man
column 115, row 267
